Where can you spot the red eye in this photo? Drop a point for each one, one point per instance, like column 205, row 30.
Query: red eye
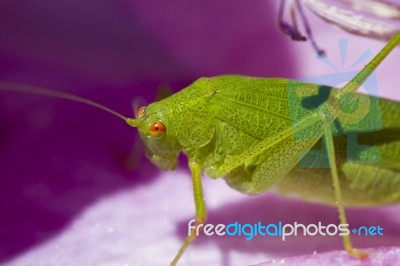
column 157, row 129
column 140, row 111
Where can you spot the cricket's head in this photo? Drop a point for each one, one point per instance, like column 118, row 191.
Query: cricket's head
column 162, row 148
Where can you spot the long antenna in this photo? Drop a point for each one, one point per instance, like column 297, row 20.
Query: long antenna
column 7, row 86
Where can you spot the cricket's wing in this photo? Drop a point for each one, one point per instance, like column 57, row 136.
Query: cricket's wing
column 256, row 106
column 374, row 167
column 261, row 108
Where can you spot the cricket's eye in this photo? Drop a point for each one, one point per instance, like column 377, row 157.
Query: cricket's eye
column 140, row 112
column 157, row 129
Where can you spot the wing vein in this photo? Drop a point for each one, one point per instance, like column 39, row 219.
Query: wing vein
column 236, row 127
column 257, row 108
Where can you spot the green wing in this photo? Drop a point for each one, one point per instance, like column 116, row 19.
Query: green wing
column 257, row 116
column 382, row 177
column 249, row 110
column 256, row 107
column 363, row 183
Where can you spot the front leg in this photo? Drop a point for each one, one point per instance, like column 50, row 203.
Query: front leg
column 201, row 214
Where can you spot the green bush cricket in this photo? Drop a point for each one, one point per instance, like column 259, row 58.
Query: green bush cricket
column 246, row 130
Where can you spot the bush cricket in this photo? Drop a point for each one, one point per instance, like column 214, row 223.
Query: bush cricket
column 253, row 132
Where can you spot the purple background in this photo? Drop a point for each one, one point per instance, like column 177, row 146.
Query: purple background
column 66, row 195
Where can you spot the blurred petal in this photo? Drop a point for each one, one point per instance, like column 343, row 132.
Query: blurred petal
column 379, row 256
column 354, row 22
